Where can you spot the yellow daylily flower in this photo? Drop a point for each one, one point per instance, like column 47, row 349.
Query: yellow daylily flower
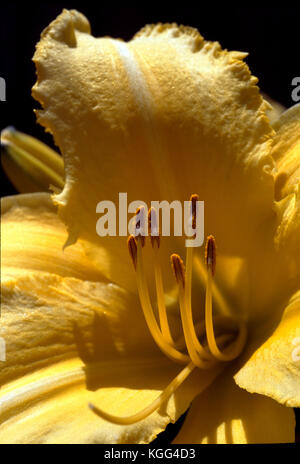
column 160, row 117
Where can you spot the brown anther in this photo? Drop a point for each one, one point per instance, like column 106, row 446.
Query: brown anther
column 194, row 198
column 178, row 269
column 140, row 224
column 210, row 253
column 132, row 248
column 153, row 227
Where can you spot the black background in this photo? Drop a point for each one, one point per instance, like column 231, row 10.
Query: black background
column 270, row 35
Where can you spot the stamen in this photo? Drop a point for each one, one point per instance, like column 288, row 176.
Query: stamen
column 188, row 288
column 140, row 225
column 203, row 356
column 162, row 312
column 200, row 330
column 178, row 269
column 194, row 198
column 236, row 348
column 220, row 301
column 188, row 329
column 153, row 227
column 156, row 404
column 188, row 307
column 210, row 253
column 143, row 291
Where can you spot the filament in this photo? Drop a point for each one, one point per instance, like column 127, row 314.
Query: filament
column 186, row 312
column 168, row 349
column 195, row 357
column 164, row 324
column 219, row 299
column 213, row 349
column 238, row 345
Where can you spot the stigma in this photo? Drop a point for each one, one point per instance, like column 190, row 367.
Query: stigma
column 199, row 347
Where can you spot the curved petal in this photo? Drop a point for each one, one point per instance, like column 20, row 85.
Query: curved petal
column 226, row 414
column 286, row 152
column 160, row 117
column 69, row 342
column 274, row 109
column 273, row 369
column 32, row 239
column 287, row 234
column 52, row 406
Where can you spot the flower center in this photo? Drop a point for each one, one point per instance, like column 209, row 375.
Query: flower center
column 191, row 350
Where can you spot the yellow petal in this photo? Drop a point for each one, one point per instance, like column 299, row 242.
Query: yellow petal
column 286, row 152
column 273, row 369
column 32, row 239
column 30, row 164
column 274, row 109
column 163, row 116
column 70, row 342
column 288, row 232
column 52, row 406
column 226, row 414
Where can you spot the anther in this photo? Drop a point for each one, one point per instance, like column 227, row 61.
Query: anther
column 140, row 225
column 194, row 198
column 153, row 227
column 210, row 254
column 132, row 248
column 178, row 269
